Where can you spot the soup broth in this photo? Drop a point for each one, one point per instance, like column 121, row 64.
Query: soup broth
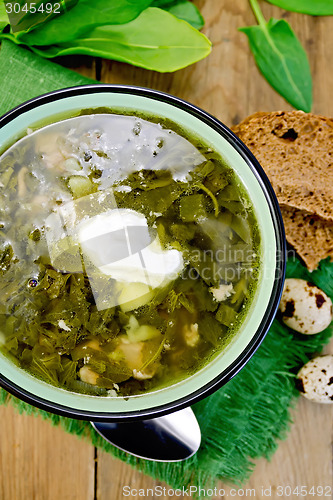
column 129, row 253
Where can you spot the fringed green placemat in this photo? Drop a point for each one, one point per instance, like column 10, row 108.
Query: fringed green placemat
column 242, row 421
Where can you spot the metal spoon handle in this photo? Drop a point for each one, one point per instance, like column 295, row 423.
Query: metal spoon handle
column 170, row 438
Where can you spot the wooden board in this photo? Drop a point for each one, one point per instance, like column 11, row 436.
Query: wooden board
column 40, row 462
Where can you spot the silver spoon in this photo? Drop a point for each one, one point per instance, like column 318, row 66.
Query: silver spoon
column 170, row 438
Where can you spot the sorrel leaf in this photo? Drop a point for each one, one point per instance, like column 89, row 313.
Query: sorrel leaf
column 282, row 61
column 25, row 16
column 183, row 9
column 3, row 16
column 170, row 49
column 82, row 18
column 312, row 7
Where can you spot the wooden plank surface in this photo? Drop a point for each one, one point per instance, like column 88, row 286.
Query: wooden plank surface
column 40, row 462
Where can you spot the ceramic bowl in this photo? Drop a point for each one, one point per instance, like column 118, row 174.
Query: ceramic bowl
column 263, row 307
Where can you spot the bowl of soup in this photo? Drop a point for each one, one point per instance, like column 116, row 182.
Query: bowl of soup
column 141, row 253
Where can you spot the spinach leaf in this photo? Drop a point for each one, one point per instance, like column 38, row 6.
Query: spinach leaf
column 183, row 9
column 312, row 7
column 164, row 4
column 175, row 46
column 282, row 60
column 3, row 16
column 81, row 19
column 23, row 19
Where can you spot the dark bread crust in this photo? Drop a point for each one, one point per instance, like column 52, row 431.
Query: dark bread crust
column 296, row 151
column 309, row 234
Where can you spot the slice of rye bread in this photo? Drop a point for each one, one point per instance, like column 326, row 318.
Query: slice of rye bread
column 310, row 235
column 296, row 151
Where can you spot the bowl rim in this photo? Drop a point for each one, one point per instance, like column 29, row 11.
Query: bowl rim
column 277, row 287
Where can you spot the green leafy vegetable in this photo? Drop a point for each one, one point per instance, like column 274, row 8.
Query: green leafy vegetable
column 182, row 232
column 123, row 30
column 170, row 49
column 281, row 59
column 210, row 328
column 188, row 12
column 3, row 16
column 226, row 315
column 68, row 371
column 192, row 208
column 183, row 9
column 6, row 255
column 82, row 18
column 29, row 16
column 164, row 4
column 312, row 7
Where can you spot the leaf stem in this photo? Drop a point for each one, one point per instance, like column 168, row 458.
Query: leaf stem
column 257, row 12
column 210, row 194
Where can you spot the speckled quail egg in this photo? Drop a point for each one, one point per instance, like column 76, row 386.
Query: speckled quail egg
column 315, row 379
column 304, row 307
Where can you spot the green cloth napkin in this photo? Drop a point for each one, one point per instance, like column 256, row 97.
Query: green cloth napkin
column 24, row 76
column 242, row 421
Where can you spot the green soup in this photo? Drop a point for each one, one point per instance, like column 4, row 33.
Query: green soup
column 129, row 253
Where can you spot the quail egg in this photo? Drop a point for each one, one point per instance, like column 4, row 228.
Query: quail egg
column 315, row 379
column 304, row 307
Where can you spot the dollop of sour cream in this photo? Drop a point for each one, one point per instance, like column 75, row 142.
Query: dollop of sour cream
column 118, row 242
